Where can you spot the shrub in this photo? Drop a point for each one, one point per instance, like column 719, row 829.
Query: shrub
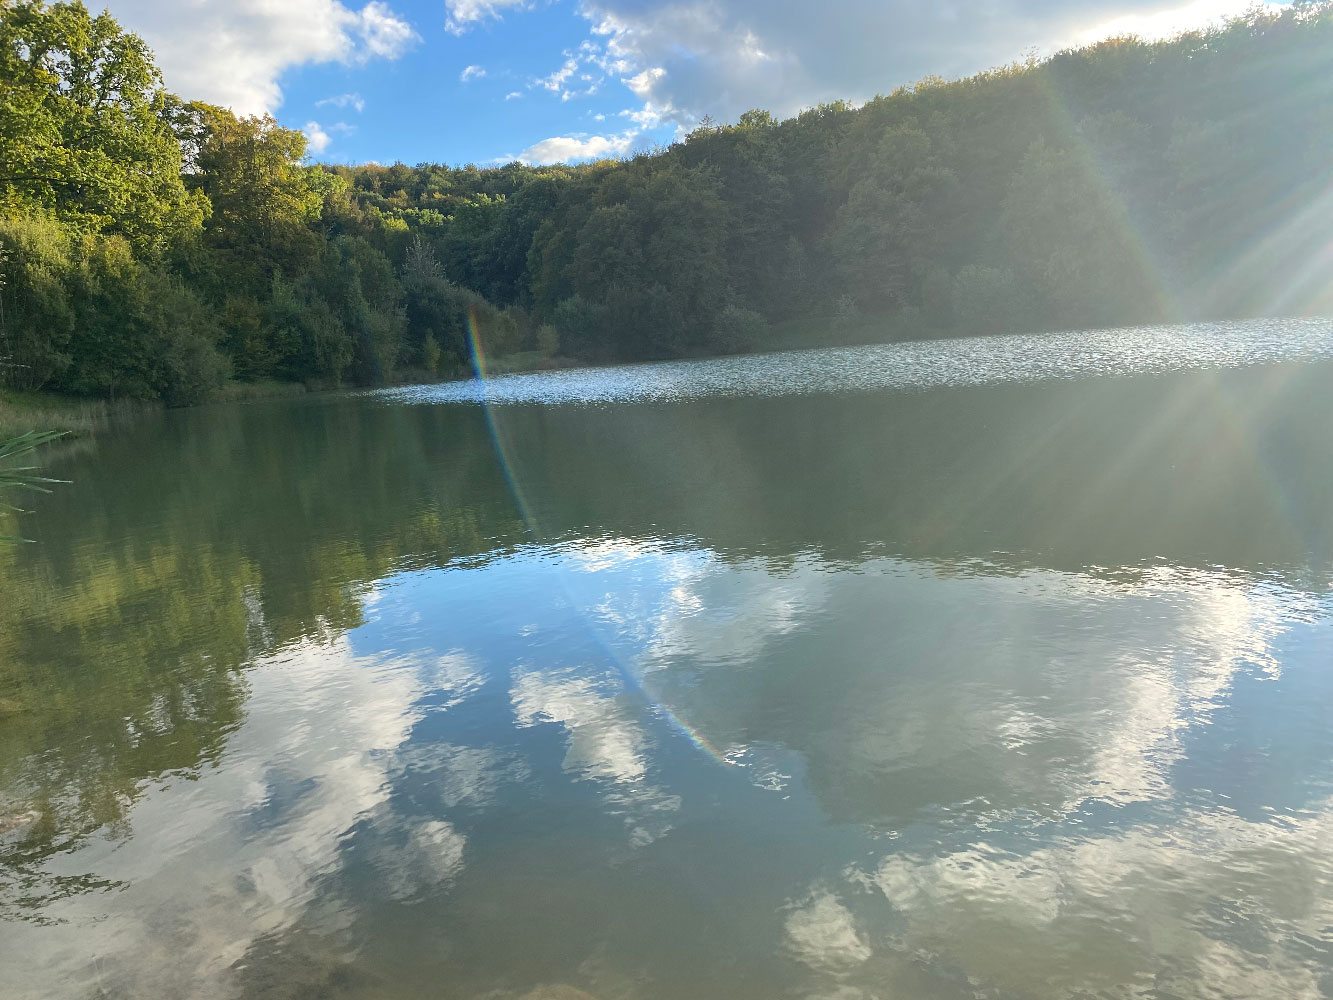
column 737, row 329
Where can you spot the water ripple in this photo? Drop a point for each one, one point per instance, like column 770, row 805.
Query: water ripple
column 921, row 364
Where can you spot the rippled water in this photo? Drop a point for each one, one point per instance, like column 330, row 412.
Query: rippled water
column 918, row 364
column 733, row 685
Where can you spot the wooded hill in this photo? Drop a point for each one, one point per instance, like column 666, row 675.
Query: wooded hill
column 154, row 247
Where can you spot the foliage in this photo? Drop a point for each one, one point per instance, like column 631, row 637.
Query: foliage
column 83, row 126
column 154, row 247
column 23, row 476
column 739, row 329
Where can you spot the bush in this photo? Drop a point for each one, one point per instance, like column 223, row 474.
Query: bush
column 379, row 338
column 187, row 334
column 582, row 325
column 548, row 340
column 36, row 317
column 737, row 329
column 431, row 353
column 313, row 343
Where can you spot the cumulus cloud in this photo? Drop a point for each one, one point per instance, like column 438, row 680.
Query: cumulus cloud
column 383, row 35
column 234, row 52
column 684, row 59
column 555, row 82
column 573, row 148
column 606, row 743
column 1154, row 890
column 822, row 933
column 471, row 73
column 722, row 57
column 316, row 138
column 465, row 14
column 235, row 857
column 582, row 73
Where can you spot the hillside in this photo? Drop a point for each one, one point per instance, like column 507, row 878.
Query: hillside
column 154, row 248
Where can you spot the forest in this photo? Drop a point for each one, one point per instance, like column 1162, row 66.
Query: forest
column 152, row 247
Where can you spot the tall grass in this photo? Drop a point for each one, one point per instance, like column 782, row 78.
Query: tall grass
column 22, row 477
column 24, row 412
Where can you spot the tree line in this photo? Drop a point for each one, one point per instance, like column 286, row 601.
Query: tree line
column 154, row 247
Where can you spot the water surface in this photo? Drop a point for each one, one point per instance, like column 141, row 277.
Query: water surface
column 968, row 669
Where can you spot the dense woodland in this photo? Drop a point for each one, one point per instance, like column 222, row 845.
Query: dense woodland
column 154, row 247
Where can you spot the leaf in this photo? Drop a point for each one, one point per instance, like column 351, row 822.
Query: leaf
column 21, row 477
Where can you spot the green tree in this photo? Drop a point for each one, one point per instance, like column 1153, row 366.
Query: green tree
column 36, row 314
column 84, row 130
column 1074, row 242
column 263, row 200
column 891, row 226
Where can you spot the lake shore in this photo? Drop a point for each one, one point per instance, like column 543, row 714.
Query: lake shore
column 23, row 410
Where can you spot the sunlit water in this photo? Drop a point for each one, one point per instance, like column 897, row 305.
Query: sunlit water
column 704, row 680
column 922, row 364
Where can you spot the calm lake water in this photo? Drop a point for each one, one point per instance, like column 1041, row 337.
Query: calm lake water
column 975, row 669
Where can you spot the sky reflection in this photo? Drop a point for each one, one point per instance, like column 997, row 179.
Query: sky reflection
column 1031, row 783
column 1014, row 691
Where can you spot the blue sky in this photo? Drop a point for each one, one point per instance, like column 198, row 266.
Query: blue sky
column 487, row 81
column 488, row 93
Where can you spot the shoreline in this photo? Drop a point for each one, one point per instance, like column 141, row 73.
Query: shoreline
column 80, row 417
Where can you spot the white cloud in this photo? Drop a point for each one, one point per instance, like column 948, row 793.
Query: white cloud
column 471, row 73
column 606, row 744
column 582, row 74
column 209, row 854
column 650, row 116
column 1147, row 886
column 353, row 101
column 822, row 933
column 316, row 138
column 574, row 148
column 464, row 14
column 722, row 57
column 234, row 52
column 586, row 68
column 1166, row 23
column 641, row 84
column 555, row 82
column 382, row 33
column 513, row 95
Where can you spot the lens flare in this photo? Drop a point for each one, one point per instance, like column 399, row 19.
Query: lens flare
column 504, row 454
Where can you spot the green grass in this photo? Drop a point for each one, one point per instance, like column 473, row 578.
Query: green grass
column 22, row 412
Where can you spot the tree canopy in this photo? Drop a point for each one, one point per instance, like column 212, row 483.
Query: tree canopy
column 155, row 247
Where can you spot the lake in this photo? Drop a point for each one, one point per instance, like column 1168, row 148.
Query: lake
column 963, row 669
